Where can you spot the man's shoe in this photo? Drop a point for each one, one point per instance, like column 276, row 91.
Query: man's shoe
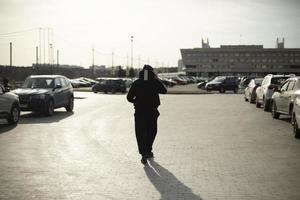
column 144, row 160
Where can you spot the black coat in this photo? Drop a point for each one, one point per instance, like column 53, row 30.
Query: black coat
column 145, row 94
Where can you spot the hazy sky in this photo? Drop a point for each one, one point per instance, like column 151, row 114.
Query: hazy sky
column 160, row 27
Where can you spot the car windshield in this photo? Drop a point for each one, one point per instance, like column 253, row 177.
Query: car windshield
column 219, row 79
column 258, row 80
column 38, row 83
column 278, row 80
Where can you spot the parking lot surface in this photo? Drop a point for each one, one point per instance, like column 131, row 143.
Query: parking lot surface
column 212, row 146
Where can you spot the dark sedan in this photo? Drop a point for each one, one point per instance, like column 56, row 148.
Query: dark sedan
column 110, row 85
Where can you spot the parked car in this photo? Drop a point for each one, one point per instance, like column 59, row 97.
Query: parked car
column 110, row 85
column 296, row 115
column 179, row 80
column 250, row 90
column 44, row 93
column 167, row 82
column 9, row 106
column 75, row 83
column 265, row 91
column 223, row 83
column 244, row 82
column 282, row 101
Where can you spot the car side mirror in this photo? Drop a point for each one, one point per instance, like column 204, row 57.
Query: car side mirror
column 58, row 86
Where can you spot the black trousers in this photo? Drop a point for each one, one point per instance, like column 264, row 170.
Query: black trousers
column 145, row 129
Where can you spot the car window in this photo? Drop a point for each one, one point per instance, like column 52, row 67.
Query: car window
column 265, row 81
column 38, row 83
column 291, row 86
column 63, row 82
column 278, row 80
column 1, row 89
column 57, row 82
column 284, row 86
column 258, row 81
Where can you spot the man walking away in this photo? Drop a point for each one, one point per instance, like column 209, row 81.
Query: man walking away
column 144, row 94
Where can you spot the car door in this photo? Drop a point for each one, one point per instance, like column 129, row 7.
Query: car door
column 288, row 96
column 281, row 100
column 260, row 90
column 58, row 93
column 65, row 92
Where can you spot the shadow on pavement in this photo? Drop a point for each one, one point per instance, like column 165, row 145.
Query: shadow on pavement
column 167, row 184
column 6, row 127
column 79, row 97
column 38, row 118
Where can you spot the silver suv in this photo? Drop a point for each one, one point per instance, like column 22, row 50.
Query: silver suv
column 9, row 106
column 265, row 91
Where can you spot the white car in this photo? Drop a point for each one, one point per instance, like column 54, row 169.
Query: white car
column 9, row 106
column 296, row 114
column 283, row 98
column 265, row 91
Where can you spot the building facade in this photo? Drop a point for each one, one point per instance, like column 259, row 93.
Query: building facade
column 250, row 60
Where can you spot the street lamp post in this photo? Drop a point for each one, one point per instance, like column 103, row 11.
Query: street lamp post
column 131, row 51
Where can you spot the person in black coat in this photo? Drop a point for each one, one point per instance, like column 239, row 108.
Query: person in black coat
column 144, row 94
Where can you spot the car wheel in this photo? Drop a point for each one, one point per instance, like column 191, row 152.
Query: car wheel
column 266, row 105
column 49, row 108
column 222, row 90
column 252, row 99
column 275, row 114
column 295, row 126
column 14, row 115
column 235, row 90
column 70, row 105
column 94, row 90
column 113, row 91
column 105, row 92
column 257, row 104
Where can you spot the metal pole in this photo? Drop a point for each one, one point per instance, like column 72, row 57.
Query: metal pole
column 57, row 60
column 131, row 51
column 37, row 55
column 49, row 47
column 44, row 32
column 112, row 58
column 40, row 45
column 93, row 66
column 10, row 51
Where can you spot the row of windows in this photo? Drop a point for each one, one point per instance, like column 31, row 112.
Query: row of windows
column 200, row 54
column 231, row 60
column 230, row 67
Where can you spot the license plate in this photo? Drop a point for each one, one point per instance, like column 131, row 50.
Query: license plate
column 23, row 105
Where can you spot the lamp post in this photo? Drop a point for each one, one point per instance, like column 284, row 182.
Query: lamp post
column 131, row 51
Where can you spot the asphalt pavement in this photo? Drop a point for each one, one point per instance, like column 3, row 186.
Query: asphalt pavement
column 213, row 146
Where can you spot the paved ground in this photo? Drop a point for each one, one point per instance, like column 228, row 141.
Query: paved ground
column 208, row 147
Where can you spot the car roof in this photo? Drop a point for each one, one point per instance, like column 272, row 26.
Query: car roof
column 294, row 78
column 281, row 75
column 46, row 76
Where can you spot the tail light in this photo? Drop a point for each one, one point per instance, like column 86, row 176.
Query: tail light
column 272, row 87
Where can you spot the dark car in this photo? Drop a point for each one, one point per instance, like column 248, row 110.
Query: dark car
column 44, row 93
column 250, row 90
column 110, row 85
column 223, row 83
